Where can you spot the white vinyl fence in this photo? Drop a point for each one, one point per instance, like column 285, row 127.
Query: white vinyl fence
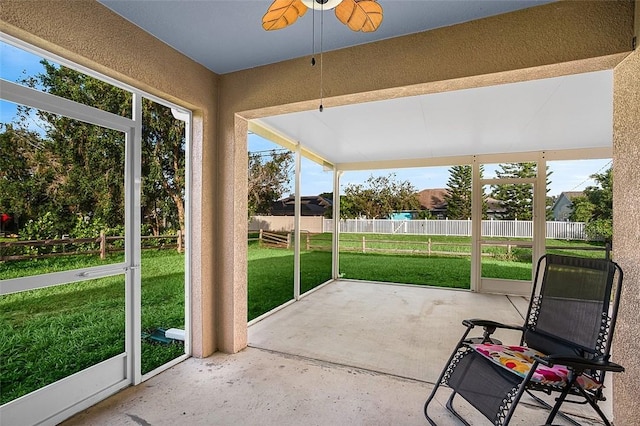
column 490, row 228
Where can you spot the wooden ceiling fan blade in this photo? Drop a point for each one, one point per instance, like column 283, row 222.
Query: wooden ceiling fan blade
column 282, row 13
column 374, row 15
column 362, row 15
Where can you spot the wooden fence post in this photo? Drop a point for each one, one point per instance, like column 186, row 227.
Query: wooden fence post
column 103, row 245
column 364, row 246
column 260, row 242
column 289, row 240
column 180, row 241
column 307, row 242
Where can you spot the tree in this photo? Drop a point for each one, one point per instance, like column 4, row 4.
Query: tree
column 378, row 198
column 163, row 166
column 458, row 197
column 268, row 179
column 601, row 195
column 550, row 202
column 600, row 198
column 22, row 181
column 581, row 209
column 517, row 199
column 75, row 170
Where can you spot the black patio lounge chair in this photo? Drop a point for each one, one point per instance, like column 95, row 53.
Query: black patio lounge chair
column 565, row 344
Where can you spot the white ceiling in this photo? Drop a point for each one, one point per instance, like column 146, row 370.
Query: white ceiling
column 570, row 112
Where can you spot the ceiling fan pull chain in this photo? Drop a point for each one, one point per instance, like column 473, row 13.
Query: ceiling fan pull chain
column 321, row 52
column 313, row 37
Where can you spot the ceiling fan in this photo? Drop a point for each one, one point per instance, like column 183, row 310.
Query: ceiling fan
column 358, row 15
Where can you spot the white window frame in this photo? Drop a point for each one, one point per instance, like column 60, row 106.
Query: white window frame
column 59, row 400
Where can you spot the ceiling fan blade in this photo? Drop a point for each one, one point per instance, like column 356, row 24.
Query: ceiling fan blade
column 282, row 13
column 360, row 15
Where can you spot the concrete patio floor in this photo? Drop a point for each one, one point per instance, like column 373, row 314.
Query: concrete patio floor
column 354, row 353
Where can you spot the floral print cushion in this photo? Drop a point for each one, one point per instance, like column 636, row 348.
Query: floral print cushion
column 519, row 359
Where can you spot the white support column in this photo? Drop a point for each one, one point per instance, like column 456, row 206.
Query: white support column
column 296, row 227
column 476, row 226
column 540, row 210
column 186, row 117
column 189, row 235
column 133, row 298
column 335, row 242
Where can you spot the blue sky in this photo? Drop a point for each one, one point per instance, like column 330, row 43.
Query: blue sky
column 567, row 175
column 15, row 64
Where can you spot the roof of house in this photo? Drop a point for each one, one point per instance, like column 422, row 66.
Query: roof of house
column 572, row 194
column 433, row 199
column 310, row 205
column 569, row 195
column 495, row 205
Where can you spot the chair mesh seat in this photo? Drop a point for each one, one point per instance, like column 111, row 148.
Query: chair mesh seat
column 519, row 360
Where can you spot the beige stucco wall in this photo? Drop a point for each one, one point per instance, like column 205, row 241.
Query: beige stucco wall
column 626, row 235
column 556, row 39
column 312, row 224
column 91, row 35
column 467, row 55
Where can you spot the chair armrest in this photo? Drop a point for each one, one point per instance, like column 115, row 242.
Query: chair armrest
column 580, row 364
column 489, row 328
column 488, row 323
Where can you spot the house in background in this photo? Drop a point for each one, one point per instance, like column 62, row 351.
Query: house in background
column 403, row 215
column 310, row 205
column 563, row 207
column 434, row 201
column 495, row 208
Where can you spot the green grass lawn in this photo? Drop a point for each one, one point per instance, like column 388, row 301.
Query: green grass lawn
column 270, row 270
column 456, row 244
column 270, row 276
column 50, row 333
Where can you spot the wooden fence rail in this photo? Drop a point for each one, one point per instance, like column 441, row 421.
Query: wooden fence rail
column 275, row 239
column 71, row 246
column 428, row 247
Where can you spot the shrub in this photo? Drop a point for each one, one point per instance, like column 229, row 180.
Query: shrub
column 42, row 228
column 91, row 228
column 600, row 229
